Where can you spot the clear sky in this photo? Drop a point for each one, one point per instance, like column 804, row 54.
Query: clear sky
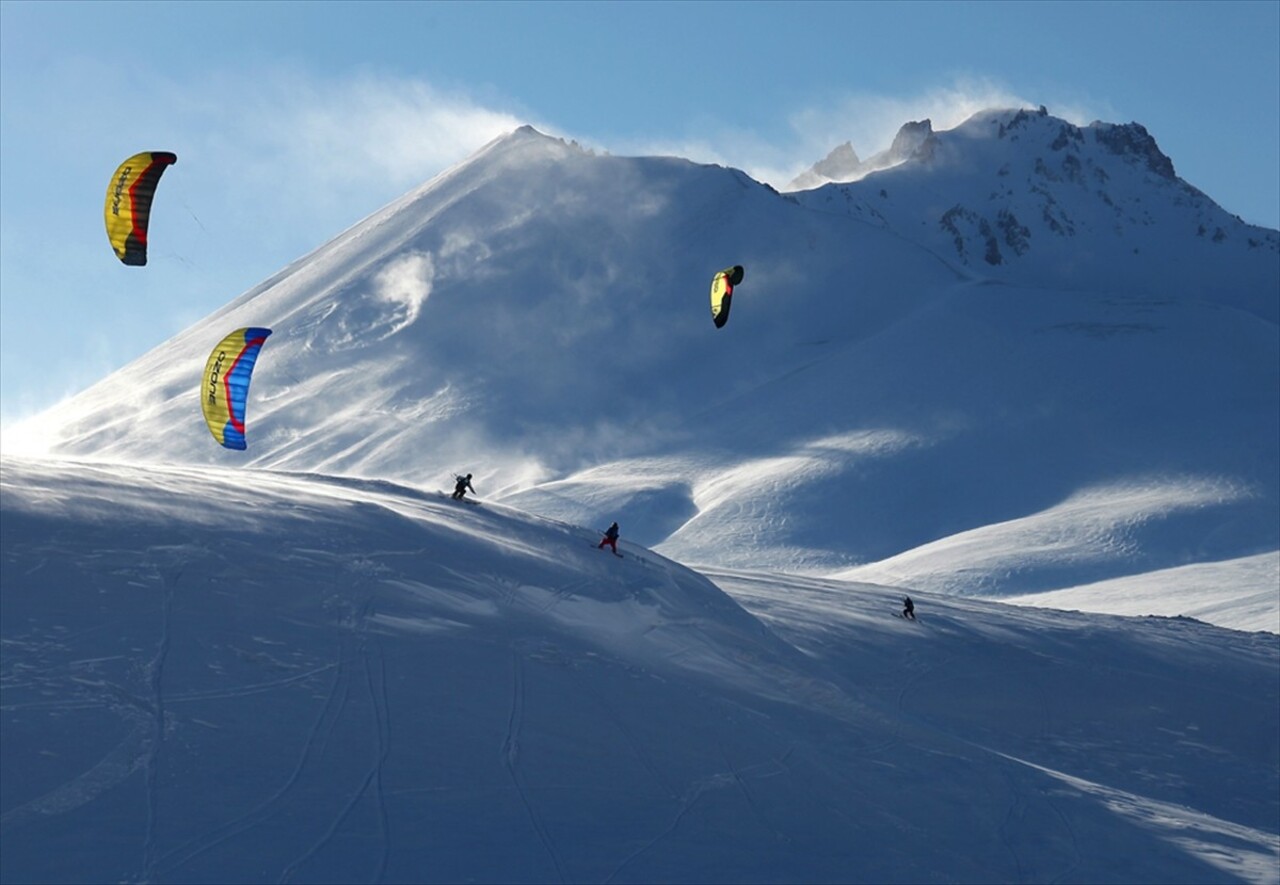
column 292, row 121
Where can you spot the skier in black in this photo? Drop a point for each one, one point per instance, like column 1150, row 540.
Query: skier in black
column 461, row 486
column 908, row 608
column 610, row 538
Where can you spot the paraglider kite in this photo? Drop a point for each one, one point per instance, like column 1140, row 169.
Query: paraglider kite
column 225, row 389
column 722, row 293
column 128, row 209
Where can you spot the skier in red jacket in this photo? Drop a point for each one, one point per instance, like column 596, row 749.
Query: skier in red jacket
column 610, row 538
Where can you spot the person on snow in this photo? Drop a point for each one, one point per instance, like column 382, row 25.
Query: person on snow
column 610, row 538
column 908, row 608
column 461, row 486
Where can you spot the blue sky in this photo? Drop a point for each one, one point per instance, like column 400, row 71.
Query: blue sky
column 292, row 121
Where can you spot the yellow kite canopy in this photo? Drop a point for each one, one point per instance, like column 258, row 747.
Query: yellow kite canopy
column 722, row 293
column 128, row 210
column 225, row 391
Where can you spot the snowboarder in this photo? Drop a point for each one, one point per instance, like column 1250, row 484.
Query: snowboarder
column 610, row 538
column 908, row 608
column 460, row 487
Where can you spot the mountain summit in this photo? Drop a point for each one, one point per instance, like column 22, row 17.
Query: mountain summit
column 1025, row 358
column 842, row 164
column 1023, row 196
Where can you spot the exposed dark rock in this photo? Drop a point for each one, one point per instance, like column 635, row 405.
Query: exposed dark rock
column 1133, row 140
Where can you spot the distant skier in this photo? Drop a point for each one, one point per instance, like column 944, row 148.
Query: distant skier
column 908, row 608
column 460, row 487
column 610, row 538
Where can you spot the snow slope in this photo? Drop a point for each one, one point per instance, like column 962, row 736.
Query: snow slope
column 241, row 676
column 1026, row 359
column 1238, row 593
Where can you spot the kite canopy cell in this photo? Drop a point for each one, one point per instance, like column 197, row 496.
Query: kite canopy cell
column 128, row 209
column 722, row 293
column 225, row 389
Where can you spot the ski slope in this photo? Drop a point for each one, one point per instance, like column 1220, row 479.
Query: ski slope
column 253, row 675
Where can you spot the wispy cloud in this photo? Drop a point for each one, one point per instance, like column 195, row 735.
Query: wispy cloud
column 369, row 128
column 320, row 142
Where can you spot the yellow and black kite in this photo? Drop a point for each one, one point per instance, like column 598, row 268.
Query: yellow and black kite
column 128, row 210
column 722, row 293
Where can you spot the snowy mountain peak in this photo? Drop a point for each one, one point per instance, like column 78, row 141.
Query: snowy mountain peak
column 1026, row 190
column 1125, row 140
column 525, row 144
column 913, row 141
column 841, row 164
column 1132, row 139
column 527, row 135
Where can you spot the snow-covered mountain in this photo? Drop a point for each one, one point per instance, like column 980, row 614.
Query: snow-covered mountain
column 212, row 675
column 1031, row 199
column 914, row 140
column 302, row 662
column 1026, row 359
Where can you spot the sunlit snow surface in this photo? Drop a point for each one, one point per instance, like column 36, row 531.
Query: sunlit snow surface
column 246, row 676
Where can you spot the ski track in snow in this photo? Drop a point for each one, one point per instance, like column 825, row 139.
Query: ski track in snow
column 373, row 666
column 153, row 760
column 729, row 778
column 740, row 783
column 312, row 749
column 1077, row 855
column 382, row 722
column 251, row 688
column 1019, row 805
column 686, row 804
column 511, row 760
column 636, row 747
